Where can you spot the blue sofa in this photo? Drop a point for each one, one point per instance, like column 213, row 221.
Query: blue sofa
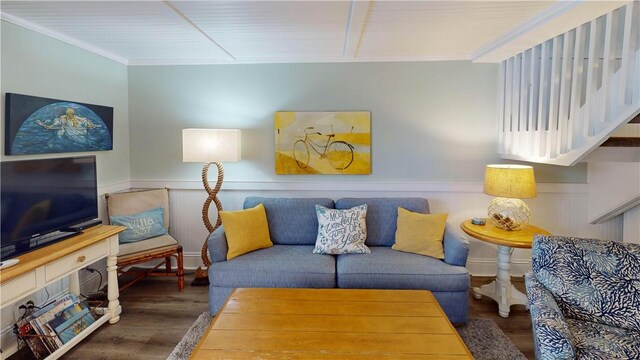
column 290, row 262
column 584, row 298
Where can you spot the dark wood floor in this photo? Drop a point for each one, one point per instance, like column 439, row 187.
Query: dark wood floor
column 155, row 316
column 517, row 326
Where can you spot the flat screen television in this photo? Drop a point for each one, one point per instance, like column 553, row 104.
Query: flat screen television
column 42, row 200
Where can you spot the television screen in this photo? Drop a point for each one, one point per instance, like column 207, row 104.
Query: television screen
column 40, row 197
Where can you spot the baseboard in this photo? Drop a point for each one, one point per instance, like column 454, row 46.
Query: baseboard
column 489, row 267
column 190, row 261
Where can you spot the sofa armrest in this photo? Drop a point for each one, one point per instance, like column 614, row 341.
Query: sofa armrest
column 218, row 248
column 551, row 335
column 456, row 248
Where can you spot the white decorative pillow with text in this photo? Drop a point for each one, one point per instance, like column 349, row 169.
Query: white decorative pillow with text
column 341, row 231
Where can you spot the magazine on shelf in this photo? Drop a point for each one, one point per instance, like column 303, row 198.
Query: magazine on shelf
column 54, row 324
column 44, row 335
column 63, row 316
column 58, row 306
column 42, row 316
column 35, row 343
column 74, row 325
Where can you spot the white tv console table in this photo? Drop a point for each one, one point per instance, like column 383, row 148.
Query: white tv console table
column 43, row 266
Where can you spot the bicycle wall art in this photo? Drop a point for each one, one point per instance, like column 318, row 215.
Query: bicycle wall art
column 323, row 143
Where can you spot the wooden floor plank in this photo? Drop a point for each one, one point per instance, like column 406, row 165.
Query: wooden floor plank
column 333, row 323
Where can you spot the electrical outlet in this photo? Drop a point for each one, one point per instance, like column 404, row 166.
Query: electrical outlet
column 22, row 308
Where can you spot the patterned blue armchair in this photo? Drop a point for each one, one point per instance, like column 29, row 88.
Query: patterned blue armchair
column 584, row 298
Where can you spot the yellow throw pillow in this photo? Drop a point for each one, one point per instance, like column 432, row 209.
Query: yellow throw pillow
column 246, row 230
column 420, row 233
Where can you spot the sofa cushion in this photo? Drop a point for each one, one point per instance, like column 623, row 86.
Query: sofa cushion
column 277, row 266
column 292, row 221
column 341, row 231
column 385, row 268
column 146, row 245
column 598, row 341
column 246, row 230
column 382, row 214
column 591, row 280
column 420, row 233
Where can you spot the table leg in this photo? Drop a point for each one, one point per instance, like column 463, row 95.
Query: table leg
column 501, row 290
column 113, row 293
column 74, row 283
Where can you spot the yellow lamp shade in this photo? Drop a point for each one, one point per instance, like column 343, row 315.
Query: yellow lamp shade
column 510, row 181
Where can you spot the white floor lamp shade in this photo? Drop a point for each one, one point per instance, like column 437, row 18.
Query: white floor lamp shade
column 210, row 145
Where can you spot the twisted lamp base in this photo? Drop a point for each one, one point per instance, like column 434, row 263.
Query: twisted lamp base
column 202, row 276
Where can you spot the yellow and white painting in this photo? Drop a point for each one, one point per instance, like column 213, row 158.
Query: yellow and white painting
column 323, row 142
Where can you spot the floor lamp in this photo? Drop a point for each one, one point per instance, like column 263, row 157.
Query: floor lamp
column 210, row 146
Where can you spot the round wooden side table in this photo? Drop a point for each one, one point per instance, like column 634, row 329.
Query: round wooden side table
column 501, row 290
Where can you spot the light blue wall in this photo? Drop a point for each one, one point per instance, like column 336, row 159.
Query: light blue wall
column 38, row 65
column 431, row 121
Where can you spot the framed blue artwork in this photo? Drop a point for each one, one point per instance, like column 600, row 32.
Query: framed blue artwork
column 36, row 125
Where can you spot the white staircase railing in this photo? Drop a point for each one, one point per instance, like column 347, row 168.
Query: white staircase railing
column 561, row 99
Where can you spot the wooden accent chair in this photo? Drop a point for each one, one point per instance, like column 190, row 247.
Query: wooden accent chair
column 162, row 247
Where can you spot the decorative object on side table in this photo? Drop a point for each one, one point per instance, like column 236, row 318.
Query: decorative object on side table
column 36, row 125
column 210, row 146
column 501, row 290
column 509, row 183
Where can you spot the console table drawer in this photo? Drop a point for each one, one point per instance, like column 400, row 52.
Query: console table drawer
column 18, row 287
column 75, row 260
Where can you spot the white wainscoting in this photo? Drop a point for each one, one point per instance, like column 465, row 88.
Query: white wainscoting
column 560, row 208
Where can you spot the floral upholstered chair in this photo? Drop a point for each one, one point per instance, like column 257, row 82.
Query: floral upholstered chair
column 584, row 298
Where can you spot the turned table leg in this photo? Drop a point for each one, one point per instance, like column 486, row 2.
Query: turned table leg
column 113, row 293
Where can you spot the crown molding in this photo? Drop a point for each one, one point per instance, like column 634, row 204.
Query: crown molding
column 64, row 38
column 328, row 60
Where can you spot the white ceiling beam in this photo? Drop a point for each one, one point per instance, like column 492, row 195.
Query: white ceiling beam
column 200, row 31
column 356, row 24
column 556, row 20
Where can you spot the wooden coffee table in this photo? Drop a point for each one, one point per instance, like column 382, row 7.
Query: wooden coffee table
column 331, row 324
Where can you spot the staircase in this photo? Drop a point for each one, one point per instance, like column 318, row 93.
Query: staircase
column 627, row 136
column 563, row 98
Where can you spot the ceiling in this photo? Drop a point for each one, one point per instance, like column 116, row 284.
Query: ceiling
column 211, row 32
